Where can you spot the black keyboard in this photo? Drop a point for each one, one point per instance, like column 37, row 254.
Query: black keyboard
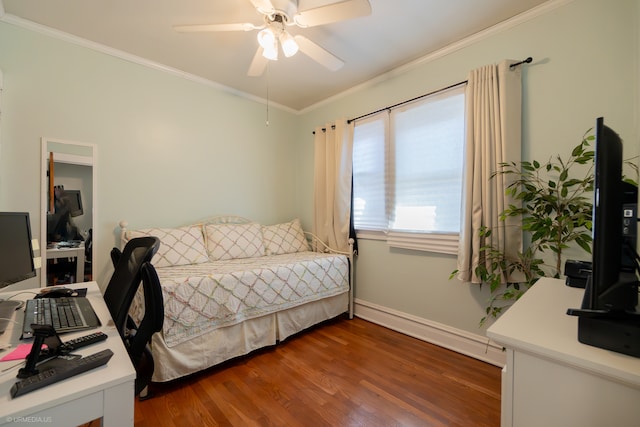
column 60, row 372
column 58, row 312
column 70, row 244
column 65, row 314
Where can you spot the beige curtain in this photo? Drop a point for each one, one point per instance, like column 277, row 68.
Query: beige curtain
column 333, row 152
column 493, row 135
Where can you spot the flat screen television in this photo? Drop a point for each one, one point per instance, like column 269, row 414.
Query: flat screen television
column 16, row 253
column 611, row 289
column 607, row 220
column 608, row 316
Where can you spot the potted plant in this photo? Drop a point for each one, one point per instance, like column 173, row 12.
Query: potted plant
column 556, row 209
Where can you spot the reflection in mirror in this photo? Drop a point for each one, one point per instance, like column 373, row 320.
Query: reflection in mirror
column 67, row 214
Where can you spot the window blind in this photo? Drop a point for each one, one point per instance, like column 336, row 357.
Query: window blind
column 407, row 166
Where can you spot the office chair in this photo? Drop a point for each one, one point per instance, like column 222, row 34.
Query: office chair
column 126, row 277
column 139, row 336
column 132, row 267
column 88, row 256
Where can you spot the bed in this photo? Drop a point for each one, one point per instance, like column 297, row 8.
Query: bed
column 231, row 286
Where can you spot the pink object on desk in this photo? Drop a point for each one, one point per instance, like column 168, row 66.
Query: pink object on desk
column 21, row 352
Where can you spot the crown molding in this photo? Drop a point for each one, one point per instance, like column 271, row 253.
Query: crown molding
column 98, row 47
column 498, row 28
column 542, row 9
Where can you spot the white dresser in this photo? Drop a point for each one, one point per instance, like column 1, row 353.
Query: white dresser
column 550, row 379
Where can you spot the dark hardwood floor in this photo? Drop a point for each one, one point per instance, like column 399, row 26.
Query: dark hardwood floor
column 341, row 373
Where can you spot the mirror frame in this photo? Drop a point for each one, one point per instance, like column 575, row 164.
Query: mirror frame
column 44, row 189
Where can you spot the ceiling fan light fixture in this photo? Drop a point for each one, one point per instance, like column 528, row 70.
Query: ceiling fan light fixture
column 271, row 53
column 267, row 38
column 289, row 45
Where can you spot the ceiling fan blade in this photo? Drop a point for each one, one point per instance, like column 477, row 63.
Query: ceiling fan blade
column 215, row 27
column 335, row 12
column 318, row 54
column 258, row 64
column 263, row 6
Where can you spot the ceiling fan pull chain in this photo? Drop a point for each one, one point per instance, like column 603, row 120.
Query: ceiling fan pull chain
column 267, row 122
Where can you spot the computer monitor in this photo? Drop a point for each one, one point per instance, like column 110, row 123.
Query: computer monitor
column 73, row 202
column 60, row 226
column 16, row 253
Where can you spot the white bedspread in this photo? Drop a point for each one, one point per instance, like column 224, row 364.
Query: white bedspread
column 201, row 297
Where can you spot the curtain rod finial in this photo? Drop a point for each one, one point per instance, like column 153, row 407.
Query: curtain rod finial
column 524, row 61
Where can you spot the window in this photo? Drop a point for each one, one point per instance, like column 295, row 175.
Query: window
column 407, row 172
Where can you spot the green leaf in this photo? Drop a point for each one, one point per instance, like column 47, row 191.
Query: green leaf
column 572, row 182
column 577, row 150
column 584, row 245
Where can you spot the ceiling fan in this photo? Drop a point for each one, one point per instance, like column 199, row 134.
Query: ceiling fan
column 279, row 14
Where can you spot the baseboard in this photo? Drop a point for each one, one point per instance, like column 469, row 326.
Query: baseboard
column 472, row 345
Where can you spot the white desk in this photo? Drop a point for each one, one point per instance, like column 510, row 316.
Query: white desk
column 77, row 253
column 106, row 392
column 551, row 379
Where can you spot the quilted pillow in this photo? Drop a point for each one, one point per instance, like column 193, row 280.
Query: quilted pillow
column 284, row 238
column 229, row 241
column 178, row 246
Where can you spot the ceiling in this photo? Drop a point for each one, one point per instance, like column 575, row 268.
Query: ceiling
column 396, row 33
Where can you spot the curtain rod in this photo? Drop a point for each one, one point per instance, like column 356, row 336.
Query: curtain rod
column 407, row 101
column 398, row 104
column 515, row 64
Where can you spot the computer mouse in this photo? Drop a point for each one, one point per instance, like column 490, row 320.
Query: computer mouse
column 57, row 293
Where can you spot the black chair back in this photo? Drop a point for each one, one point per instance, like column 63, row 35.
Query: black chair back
column 127, row 277
column 139, row 335
column 132, row 267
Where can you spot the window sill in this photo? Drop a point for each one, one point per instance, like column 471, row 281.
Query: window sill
column 444, row 243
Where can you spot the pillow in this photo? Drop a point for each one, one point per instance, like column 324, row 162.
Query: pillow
column 284, row 238
column 229, row 241
column 178, row 246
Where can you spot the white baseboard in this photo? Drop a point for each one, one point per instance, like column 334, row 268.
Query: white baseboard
column 472, row 345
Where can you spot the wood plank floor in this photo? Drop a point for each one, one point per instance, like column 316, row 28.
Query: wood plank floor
column 341, row 373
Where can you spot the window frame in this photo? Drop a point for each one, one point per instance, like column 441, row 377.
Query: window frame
column 428, row 241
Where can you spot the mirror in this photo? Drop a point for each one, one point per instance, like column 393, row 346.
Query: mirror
column 67, row 213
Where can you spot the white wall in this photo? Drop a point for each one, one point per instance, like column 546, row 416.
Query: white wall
column 170, row 151
column 585, row 65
